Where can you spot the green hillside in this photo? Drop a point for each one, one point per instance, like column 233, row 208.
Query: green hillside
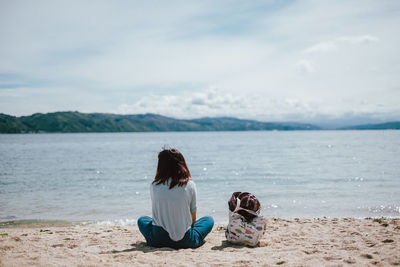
column 394, row 125
column 74, row 122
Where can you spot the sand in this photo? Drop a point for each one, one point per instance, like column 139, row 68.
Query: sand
column 292, row 242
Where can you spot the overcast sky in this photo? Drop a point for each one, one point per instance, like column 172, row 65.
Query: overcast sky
column 266, row 60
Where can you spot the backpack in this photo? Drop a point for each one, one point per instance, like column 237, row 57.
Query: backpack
column 239, row 230
column 245, row 226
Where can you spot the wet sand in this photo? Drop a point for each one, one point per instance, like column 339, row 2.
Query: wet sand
column 287, row 242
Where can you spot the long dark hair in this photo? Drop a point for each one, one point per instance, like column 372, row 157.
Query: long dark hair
column 171, row 167
column 248, row 201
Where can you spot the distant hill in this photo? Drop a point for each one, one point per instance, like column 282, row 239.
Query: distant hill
column 11, row 124
column 76, row 122
column 394, row 125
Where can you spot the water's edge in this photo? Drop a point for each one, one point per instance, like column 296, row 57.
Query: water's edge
column 35, row 223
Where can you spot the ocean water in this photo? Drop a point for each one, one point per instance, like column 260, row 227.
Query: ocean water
column 105, row 177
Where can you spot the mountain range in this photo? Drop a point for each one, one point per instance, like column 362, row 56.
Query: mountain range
column 74, row 122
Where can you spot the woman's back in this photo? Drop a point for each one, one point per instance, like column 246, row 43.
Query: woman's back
column 173, row 197
column 172, row 208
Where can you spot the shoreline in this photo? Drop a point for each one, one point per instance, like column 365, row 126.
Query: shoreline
column 298, row 241
column 40, row 223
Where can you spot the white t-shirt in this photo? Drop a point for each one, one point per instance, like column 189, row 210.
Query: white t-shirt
column 172, row 208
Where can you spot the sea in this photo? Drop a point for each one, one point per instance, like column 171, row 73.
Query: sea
column 104, row 178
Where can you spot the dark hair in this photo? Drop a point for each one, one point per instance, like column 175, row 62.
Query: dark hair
column 247, row 201
column 171, row 166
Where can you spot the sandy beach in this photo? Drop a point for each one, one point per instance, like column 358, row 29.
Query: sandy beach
column 292, row 242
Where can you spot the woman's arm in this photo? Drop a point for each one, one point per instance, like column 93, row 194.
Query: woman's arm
column 193, row 218
column 193, row 206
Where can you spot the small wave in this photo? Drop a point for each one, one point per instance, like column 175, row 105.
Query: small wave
column 34, row 223
column 382, row 210
column 386, row 209
column 7, row 218
column 119, row 222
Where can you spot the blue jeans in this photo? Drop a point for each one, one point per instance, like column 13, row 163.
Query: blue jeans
column 156, row 236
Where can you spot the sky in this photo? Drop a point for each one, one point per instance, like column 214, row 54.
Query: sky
column 309, row 61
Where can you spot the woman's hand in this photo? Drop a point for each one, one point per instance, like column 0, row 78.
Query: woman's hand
column 193, row 218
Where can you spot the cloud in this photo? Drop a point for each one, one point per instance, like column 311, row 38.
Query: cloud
column 362, row 39
column 305, row 66
column 210, row 102
column 213, row 102
column 334, row 44
column 130, row 55
column 321, row 47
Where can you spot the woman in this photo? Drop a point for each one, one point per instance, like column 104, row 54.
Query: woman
column 173, row 196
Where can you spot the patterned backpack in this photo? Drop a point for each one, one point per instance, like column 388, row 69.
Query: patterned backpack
column 245, row 225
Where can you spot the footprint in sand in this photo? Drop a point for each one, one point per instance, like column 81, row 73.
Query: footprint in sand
column 308, row 252
column 332, row 258
column 93, row 242
column 350, row 261
column 5, row 248
column 263, row 243
column 367, row 256
column 370, row 243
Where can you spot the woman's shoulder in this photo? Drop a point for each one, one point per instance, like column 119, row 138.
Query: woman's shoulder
column 191, row 184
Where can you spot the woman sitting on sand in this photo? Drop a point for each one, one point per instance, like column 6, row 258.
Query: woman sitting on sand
column 173, row 196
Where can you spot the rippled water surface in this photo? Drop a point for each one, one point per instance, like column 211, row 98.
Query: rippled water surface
column 294, row 174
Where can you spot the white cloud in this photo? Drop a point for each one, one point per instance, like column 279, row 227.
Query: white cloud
column 213, row 102
column 210, row 102
column 305, row 66
column 321, row 47
column 362, row 39
column 334, row 44
column 129, row 55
